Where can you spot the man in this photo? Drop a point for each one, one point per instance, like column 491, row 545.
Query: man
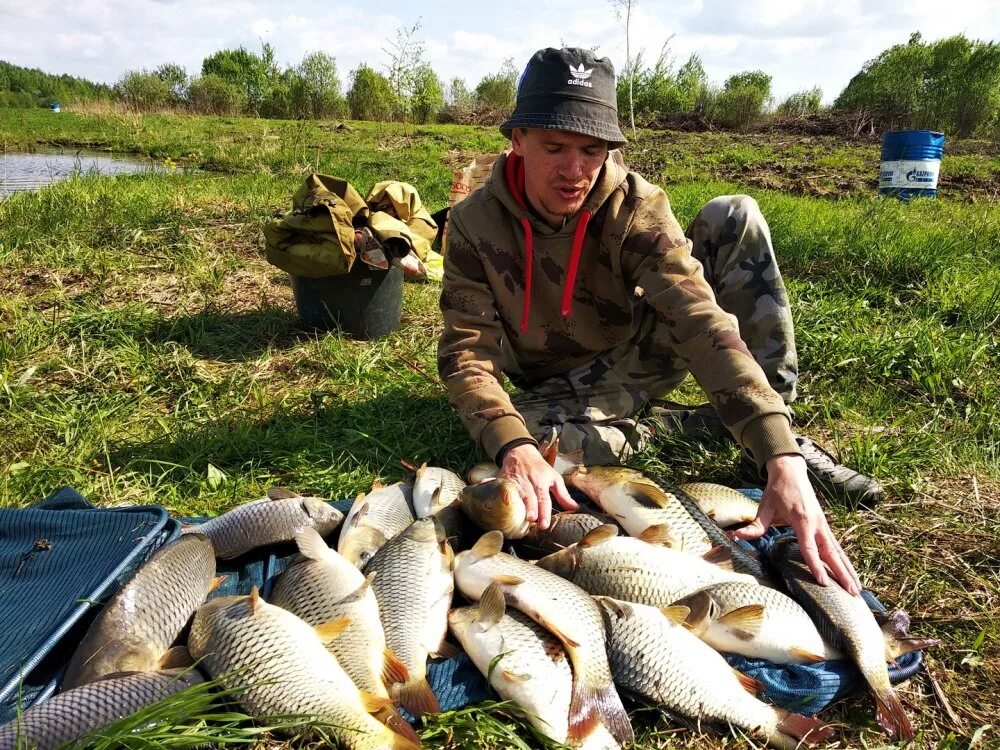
column 570, row 274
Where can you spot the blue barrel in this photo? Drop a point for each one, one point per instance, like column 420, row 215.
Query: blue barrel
column 911, row 163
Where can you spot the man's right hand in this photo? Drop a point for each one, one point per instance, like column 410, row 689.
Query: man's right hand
column 538, row 483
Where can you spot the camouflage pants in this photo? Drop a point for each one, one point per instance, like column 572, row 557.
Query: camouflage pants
column 596, row 407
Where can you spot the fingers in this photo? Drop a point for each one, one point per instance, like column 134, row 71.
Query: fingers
column 810, row 554
column 756, row 528
column 530, row 501
column 565, row 500
column 832, row 554
column 544, row 506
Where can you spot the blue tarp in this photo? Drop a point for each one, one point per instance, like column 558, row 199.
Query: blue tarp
column 93, row 551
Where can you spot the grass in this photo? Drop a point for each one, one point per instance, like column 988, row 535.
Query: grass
column 148, row 354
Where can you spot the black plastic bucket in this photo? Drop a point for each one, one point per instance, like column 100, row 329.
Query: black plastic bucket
column 365, row 303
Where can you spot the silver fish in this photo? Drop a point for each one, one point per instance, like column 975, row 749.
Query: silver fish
column 758, row 622
column 413, row 584
column 568, row 613
column 278, row 666
column 565, row 529
column 658, row 659
column 73, row 714
column 523, row 662
column 724, row 505
column 374, row 519
column 435, row 489
column 137, row 626
column 270, row 520
column 633, row 570
column 848, row 623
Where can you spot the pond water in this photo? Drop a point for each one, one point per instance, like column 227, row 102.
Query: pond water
column 24, row 171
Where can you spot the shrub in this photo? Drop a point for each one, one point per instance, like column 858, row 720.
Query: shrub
column 143, row 91
column 212, row 95
column 370, row 96
column 428, row 95
column 743, row 99
column 498, row 90
column 807, row 102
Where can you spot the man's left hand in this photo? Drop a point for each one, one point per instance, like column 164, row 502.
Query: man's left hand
column 789, row 500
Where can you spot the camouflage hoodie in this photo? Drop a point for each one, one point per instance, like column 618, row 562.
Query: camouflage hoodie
column 582, row 286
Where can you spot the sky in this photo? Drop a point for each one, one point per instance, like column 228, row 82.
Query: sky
column 800, row 44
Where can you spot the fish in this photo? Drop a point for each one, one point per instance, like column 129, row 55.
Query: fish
column 567, row 612
column 655, row 657
column 496, row 504
column 374, row 519
column 758, row 622
column 137, row 626
column 631, row 569
column 277, row 665
column 74, row 714
column 413, row 584
column 724, row 505
column 565, row 529
column 269, row 520
column 435, row 489
column 322, row 586
column 548, row 446
column 847, row 622
column 522, row 661
column 652, row 510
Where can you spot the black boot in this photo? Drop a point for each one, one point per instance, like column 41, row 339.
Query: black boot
column 836, row 481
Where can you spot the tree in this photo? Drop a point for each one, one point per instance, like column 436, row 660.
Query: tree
column 143, row 91
column 406, row 59
column 428, row 95
column 176, row 78
column 318, row 85
column 370, row 96
column 213, row 95
column 244, row 69
column 806, row 102
column 499, row 90
column 458, row 94
column 743, row 99
column 624, row 8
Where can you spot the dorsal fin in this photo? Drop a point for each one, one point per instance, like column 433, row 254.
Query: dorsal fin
column 488, row 545
column 744, row 622
column 311, row 544
column 601, row 534
column 254, row 600
column 281, row 493
column 659, row 534
column 422, row 470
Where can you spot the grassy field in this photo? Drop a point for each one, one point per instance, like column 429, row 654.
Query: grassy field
column 148, row 353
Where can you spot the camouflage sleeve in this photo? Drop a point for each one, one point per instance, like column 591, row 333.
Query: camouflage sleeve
column 656, row 256
column 470, row 360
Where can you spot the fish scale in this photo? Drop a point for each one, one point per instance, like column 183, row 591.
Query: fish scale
column 75, row 713
column 279, row 667
column 375, row 519
column 140, row 622
column 664, row 663
column 413, row 585
column 435, row 488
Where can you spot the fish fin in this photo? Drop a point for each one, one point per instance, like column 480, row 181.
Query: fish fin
column 492, row 604
column 558, row 633
column 514, row 677
column 401, row 742
column 281, row 493
column 330, row 630
column 507, row 580
column 254, row 600
column 613, row 606
column 417, row 697
column 744, row 622
column 175, row 658
column 601, row 534
column 720, row 555
column 446, row 651
column 699, row 607
column 677, row 613
column 488, row 545
column 659, row 533
column 436, row 496
column 216, row 582
column 896, row 647
column 891, row 716
column 551, row 450
column 570, row 461
column 591, row 705
column 391, row 718
column 376, row 485
column 393, row 670
column 362, row 510
column 311, row 544
column 422, row 470
column 807, row 656
column 749, row 683
column 807, row 729
column 648, row 494
column 363, row 588
column 374, row 703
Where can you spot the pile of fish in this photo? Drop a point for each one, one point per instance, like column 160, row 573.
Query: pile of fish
column 639, row 593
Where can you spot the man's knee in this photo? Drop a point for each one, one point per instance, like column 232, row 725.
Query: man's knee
column 723, row 210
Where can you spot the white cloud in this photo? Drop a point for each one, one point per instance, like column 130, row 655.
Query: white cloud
column 800, row 44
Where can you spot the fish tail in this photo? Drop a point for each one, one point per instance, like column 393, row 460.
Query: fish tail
column 391, row 718
column 892, row 717
column 593, row 704
column 417, row 697
column 806, row 730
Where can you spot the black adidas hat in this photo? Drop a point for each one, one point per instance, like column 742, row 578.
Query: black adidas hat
column 568, row 89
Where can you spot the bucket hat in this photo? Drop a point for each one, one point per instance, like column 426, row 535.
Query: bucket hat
column 568, row 89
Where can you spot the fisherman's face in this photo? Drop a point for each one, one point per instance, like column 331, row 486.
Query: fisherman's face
column 560, row 168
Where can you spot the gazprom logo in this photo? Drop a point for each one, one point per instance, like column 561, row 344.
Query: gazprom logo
column 919, row 175
column 580, row 76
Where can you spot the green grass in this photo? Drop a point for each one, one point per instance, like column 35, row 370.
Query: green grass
column 148, row 354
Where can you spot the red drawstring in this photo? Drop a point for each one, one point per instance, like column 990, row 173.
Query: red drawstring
column 528, row 262
column 513, row 172
column 574, row 263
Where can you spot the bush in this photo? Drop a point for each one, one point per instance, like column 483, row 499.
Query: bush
column 498, row 90
column 212, row 95
column 370, row 96
column 801, row 103
column 144, row 91
column 427, row 98
column 658, row 90
column 743, row 99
